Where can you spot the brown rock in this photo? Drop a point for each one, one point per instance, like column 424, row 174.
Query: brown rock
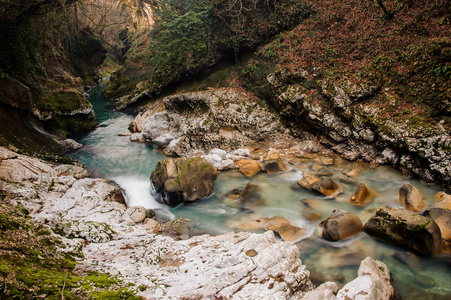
column 249, row 167
column 362, row 196
column 443, row 219
column 341, row 225
column 442, row 200
column 410, row 198
column 280, row 225
column 324, row 185
column 351, row 173
column 272, row 163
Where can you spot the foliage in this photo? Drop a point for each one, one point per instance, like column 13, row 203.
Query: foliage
column 191, row 36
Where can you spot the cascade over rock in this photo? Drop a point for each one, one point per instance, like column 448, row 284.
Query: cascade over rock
column 183, row 179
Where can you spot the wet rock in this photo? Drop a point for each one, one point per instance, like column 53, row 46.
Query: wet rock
column 410, row 198
column 272, row 163
column 310, row 215
column 69, row 145
column 249, row 167
column 374, row 283
column 351, row 173
column 442, row 200
column 323, row 185
column 183, row 179
column 244, row 198
column 406, row 229
column 362, row 196
column 180, row 228
column 341, row 225
column 280, row 225
column 443, row 219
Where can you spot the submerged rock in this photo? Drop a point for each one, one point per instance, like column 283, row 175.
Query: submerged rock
column 280, row 225
column 411, row 199
column 406, row 229
column 183, row 179
column 363, row 195
column 341, row 225
column 323, row 185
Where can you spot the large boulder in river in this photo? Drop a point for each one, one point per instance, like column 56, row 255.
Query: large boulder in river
column 406, row 229
column 183, row 179
column 341, row 225
column 410, row 198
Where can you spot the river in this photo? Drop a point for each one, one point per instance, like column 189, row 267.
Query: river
column 109, row 153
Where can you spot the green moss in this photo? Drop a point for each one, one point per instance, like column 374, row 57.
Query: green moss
column 30, row 260
column 63, row 101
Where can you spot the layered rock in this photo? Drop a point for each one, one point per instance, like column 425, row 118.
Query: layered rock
column 183, row 180
column 406, row 229
column 340, row 115
column 218, row 118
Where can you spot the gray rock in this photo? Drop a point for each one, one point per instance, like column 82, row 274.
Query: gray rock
column 69, row 145
column 374, row 283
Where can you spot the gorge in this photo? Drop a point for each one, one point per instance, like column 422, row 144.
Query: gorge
column 326, row 128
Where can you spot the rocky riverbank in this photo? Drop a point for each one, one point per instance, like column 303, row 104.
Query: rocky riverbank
column 90, row 215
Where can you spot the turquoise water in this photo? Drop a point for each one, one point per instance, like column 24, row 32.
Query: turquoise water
column 109, row 153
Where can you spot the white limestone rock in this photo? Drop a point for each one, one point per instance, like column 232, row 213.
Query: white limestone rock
column 373, row 283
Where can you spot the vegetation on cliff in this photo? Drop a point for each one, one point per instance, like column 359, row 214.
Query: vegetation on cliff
column 190, row 36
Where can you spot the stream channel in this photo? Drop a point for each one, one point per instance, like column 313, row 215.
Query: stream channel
column 109, row 153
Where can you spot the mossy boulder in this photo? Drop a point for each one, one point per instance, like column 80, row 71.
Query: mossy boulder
column 183, row 180
column 406, row 229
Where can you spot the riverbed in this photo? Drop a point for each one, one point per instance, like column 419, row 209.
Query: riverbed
column 109, row 153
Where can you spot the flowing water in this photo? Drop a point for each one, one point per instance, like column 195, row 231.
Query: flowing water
column 108, row 152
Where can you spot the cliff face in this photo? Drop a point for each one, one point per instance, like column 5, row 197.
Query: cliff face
column 368, row 82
